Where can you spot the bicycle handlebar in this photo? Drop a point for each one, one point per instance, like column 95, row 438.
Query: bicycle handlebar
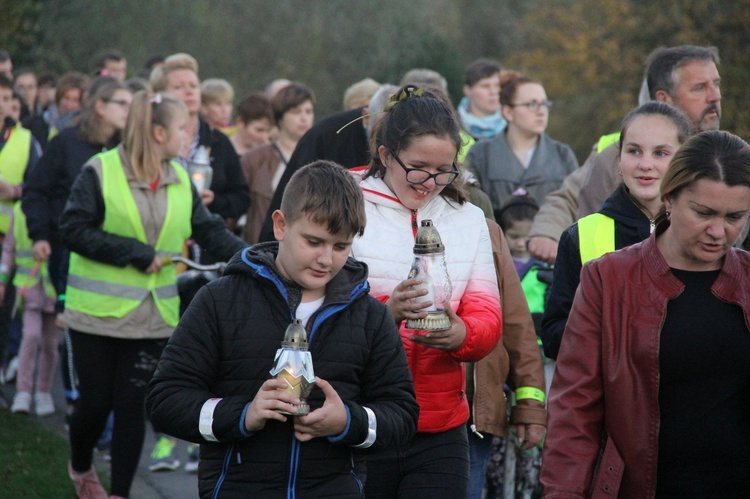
column 218, row 266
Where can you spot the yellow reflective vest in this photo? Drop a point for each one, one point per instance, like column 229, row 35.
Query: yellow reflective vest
column 14, row 156
column 596, row 236
column 607, row 140
column 26, row 276
column 102, row 290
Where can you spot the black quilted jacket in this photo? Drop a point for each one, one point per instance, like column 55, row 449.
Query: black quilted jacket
column 224, row 347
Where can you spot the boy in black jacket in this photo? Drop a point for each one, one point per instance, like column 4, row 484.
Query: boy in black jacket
column 212, row 384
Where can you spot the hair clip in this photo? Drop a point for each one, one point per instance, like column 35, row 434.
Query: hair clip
column 407, row 92
column 520, row 192
column 156, row 99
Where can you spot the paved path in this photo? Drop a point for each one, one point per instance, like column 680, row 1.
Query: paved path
column 164, row 485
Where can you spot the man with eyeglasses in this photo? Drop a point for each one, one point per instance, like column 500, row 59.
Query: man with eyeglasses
column 685, row 77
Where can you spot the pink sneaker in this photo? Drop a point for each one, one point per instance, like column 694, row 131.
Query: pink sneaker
column 87, row 484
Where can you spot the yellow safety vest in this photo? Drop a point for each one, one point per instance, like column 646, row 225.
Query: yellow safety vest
column 25, row 262
column 607, row 140
column 14, row 157
column 596, row 236
column 104, row 290
column 466, row 142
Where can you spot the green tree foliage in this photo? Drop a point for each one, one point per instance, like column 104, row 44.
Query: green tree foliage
column 19, row 33
column 589, row 54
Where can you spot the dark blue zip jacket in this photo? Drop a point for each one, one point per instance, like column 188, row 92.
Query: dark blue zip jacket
column 224, row 347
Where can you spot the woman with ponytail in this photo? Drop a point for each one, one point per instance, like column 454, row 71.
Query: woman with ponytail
column 129, row 211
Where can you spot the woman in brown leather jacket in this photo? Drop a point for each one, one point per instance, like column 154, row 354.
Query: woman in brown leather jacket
column 651, row 393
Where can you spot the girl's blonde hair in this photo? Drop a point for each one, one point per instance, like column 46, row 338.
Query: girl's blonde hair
column 146, row 113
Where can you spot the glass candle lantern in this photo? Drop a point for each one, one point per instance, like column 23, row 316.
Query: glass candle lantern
column 429, row 266
column 293, row 364
column 199, row 169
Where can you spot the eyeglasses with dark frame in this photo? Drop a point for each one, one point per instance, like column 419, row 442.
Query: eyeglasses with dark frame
column 120, row 102
column 417, row 176
column 534, row 104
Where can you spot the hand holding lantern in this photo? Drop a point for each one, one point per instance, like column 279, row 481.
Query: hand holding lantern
column 293, row 364
column 429, row 266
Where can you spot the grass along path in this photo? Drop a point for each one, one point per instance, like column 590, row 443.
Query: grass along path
column 35, row 459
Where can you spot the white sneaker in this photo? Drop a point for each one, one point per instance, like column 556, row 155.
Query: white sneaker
column 21, row 403
column 44, row 404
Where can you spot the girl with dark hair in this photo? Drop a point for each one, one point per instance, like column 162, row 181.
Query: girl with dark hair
column 411, row 179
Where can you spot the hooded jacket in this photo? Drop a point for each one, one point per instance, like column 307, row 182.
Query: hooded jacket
column 386, row 247
column 603, row 427
column 631, row 226
column 224, row 348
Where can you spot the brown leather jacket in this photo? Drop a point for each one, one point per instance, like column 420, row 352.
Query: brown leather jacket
column 515, row 358
column 603, row 430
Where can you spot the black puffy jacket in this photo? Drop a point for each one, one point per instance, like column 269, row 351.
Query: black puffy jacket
column 224, row 347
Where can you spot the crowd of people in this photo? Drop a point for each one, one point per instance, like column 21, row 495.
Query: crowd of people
column 579, row 354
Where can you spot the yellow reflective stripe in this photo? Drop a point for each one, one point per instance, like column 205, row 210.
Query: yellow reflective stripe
column 120, row 290
column 166, row 292
column 106, row 288
column 24, row 254
column 529, row 392
column 6, row 209
column 596, row 236
column 24, row 270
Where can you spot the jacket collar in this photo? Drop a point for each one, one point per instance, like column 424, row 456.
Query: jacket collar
column 377, row 192
column 620, row 207
column 727, row 286
column 259, row 261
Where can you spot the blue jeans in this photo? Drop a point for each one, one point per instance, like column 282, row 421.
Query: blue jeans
column 479, row 456
column 432, row 465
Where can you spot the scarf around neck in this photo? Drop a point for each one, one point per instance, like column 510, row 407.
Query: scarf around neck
column 480, row 128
